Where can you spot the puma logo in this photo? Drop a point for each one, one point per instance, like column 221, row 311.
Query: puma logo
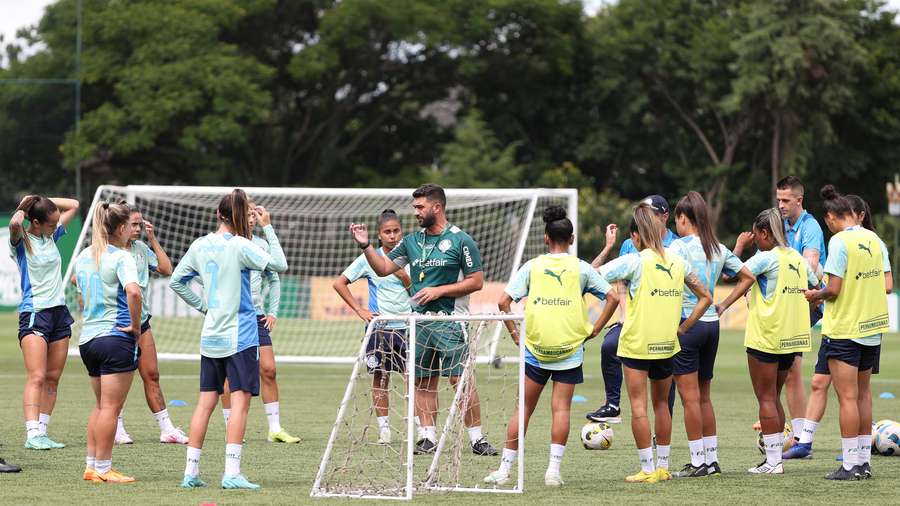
column 865, row 247
column 667, row 270
column 795, row 268
column 554, row 275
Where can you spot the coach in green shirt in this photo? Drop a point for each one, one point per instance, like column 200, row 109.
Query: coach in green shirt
column 445, row 267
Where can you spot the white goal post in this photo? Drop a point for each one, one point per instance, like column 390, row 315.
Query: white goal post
column 314, row 325
column 356, row 465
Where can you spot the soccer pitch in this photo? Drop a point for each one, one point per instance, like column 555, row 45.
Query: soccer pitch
column 309, row 401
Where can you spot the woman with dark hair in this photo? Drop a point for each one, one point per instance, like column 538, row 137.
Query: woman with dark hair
column 651, row 332
column 693, row 365
column 389, row 295
column 554, row 336
column 856, row 315
column 107, row 280
column 45, row 324
column 229, row 346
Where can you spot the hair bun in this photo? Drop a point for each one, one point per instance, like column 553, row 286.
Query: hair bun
column 554, row 213
column 828, row 192
column 388, row 211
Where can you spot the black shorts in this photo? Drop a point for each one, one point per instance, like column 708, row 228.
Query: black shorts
column 850, row 352
column 698, row 351
column 784, row 360
column 264, row 338
column 145, row 327
column 53, row 323
column 386, row 350
column 657, row 369
column 822, row 361
column 241, row 370
column 574, row 376
column 109, row 355
column 815, row 314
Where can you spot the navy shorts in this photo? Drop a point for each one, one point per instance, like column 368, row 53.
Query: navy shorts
column 784, row 360
column 53, row 323
column 657, row 369
column 822, row 362
column 815, row 314
column 109, row 355
column 145, row 327
column 850, row 352
column 386, row 351
column 698, row 351
column 264, row 338
column 574, row 376
column 241, row 370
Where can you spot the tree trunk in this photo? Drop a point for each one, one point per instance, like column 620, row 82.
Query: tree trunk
column 776, row 154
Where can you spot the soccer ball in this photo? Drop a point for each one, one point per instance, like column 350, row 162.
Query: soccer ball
column 886, row 438
column 788, row 439
column 596, row 436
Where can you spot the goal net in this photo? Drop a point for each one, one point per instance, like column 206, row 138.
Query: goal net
column 314, row 324
column 372, row 458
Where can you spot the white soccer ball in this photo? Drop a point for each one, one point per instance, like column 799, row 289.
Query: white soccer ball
column 886, row 438
column 596, row 436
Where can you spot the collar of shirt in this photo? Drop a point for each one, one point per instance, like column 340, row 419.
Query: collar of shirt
column 796, row 226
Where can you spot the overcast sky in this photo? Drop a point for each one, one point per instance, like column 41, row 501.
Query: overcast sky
column 15, row 14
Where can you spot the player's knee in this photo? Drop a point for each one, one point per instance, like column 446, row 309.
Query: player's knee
column 819, row 383
column 267, row 372
column 37, row 378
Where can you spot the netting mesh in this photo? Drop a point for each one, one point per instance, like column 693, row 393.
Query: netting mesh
column 361, row 461
column 312, row 228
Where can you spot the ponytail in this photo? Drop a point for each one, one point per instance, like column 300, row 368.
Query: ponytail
column 645, row 224
column 107, row 219
column 859, row 206
column 36, row 208
column 694, row 208
column 771, row 221
column 233, row 209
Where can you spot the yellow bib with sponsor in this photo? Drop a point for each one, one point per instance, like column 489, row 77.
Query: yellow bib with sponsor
column 651, row 323
column 780, row 324
column 556, row 321
column 860, row 310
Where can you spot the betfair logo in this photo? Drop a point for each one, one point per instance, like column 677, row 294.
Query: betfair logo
column 865, row 247
column 874, row 273
column 792, row 290
column 554, row 275
column 671, row 292
column 667, row 270
column 551, row 301
column 795, row 268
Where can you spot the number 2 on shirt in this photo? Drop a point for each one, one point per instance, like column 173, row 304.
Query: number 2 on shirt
column 212, row 268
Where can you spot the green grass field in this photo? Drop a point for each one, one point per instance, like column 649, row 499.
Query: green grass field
column 309, row 401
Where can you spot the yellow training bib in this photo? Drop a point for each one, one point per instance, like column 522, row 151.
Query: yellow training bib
column 780, row 324
column 860, row 310
column 651, row 323
column 556, row 321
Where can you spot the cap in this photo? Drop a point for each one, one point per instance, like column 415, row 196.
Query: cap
column 658, row 203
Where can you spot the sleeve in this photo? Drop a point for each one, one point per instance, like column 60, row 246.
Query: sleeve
column 253, row 257
column 627, row 248
column 59, row 232
column 836, row 263
column 811, row 236
column 399, row 255
column 759, row 263
column 731, row 264
column 357, row 269
column 620, row 269
column 277, row 261
column 592, row 282
column 470, row 257
column 126, row 269
column 274, row 295
column 885, row 257
column 152, row 259
column 517, row 288
column 183, row 274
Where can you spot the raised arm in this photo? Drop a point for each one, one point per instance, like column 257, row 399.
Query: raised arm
column 16, row 229
column 611, row 233
column 744, row 240
column 278, row 262
column 164, row 263
column 381, row 264
column 68, row 208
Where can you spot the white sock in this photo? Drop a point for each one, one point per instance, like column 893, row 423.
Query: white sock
column 225, row 414
column 850, row 451
column 797, row 426
column 711, row 448
column 32, row 429
column 556, row 456
column 165, row 423
column 120, row 423
column 646, row 456
column 506, row 461
column 44, row 420
column 864, row 449
column 474, row 434
column 697, row 455
column 430, row 432
column 233, row 459
column 103, row 466
column 774, row 444
column 419, row 433
column 809, row 431
column 273, row 416
column 90, row 462
column 384, row 422
column 192, row 466
column 662, row 455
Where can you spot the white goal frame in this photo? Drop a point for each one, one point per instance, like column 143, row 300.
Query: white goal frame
column 533, row 195
column 410, row 487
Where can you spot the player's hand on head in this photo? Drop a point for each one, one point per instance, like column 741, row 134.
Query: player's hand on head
column 744, row 239
column 262, row 216
column 612, row 232
column 148, row 227
column 360, row 233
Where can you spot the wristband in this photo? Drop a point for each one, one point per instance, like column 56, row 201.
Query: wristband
column 364, row 246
